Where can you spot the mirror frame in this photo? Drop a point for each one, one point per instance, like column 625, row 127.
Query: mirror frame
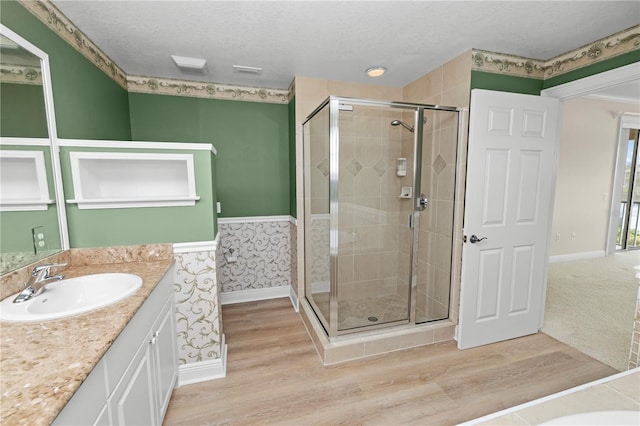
column 51, row 128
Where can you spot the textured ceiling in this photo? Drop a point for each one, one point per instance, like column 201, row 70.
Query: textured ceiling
column 335, row 40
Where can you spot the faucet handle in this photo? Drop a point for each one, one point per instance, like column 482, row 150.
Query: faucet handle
column 45, row 267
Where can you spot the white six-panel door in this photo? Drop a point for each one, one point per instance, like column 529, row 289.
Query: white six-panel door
column 508, row 201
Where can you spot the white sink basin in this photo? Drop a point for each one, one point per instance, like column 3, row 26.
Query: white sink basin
column 71, row 297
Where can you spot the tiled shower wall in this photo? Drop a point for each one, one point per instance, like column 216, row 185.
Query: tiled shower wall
column 449, row 84
column 370, row 210
column 436, row 221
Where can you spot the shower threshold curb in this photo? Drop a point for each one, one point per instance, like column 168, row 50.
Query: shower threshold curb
column 351, row 347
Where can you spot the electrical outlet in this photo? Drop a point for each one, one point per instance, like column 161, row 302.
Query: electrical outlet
column 557, row 237
column 573, row 235
column 39, row 236
column 218, row 207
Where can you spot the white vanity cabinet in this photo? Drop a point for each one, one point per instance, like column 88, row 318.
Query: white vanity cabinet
column 133, row 382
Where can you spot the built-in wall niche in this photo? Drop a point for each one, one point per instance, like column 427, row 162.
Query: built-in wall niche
column 109, row 180
column 23, row 181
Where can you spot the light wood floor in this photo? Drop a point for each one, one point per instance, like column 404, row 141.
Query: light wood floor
column 274, row 376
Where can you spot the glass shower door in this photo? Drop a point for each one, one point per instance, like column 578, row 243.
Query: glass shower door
column 316, row 181
column 434, row 225
column 374, row 239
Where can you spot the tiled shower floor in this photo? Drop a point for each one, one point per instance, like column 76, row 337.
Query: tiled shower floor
column 355, row 313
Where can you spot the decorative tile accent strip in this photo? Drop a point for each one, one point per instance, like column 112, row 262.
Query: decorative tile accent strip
column 20, row 74
column 354, row 167
column 380, row 168
column 323, row 166
column 52, row 17
column 197, row 89
column 263, row 255
column 197, row 307
column 614, row 45
column 439, row 164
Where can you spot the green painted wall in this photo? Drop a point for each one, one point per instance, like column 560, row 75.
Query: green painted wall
column 88, row 104
column 606, row 65
column 252, row 140
column 128, row 226
column 292, row 157
column 15, row 227
column 22, row 111
column 505, row 83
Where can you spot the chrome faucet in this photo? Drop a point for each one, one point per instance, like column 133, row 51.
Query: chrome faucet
column 39, row 278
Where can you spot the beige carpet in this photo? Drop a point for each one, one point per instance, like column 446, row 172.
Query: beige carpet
column 591, row 306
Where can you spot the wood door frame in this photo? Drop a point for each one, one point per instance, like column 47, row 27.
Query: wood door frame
column 575, row 89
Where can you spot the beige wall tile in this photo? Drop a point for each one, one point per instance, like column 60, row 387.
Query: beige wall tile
column 417, row 338
column 381, row 346
column 343, row 353
column 443, row 333
column 457, row 71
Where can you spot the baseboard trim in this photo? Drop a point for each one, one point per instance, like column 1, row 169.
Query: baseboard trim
column 202, row 371
column 294, row 298
column 254, row 295
column 196, row 246
column 576, row 256
column 253, row 219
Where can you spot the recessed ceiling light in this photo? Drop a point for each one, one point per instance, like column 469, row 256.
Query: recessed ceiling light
column 250, row 70
column 190, row 64
column 376, row 71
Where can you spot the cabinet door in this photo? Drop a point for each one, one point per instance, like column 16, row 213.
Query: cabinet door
column 133, row 401
column 166, row 361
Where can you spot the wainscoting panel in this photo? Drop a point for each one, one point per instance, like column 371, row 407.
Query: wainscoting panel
column 255, row 253
column 199, row 322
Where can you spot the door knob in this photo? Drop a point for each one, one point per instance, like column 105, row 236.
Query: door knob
column 422, row 202
column 474, row 239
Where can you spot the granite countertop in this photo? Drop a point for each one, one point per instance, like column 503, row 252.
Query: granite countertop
column 42, row 364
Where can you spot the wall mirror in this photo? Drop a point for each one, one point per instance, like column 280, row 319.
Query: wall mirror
column 32, row 216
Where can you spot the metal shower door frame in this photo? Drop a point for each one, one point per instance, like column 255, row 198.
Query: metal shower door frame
column 334, row 206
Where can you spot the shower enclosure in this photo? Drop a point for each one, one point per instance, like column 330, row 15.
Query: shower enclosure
column 379, row 181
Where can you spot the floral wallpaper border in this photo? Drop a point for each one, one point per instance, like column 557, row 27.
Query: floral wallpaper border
column 198, row 89
column 53, row 18
column 20, row 74
column 599, row 50
column 614, row 45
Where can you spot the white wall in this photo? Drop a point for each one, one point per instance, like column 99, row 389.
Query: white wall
column 588, row 144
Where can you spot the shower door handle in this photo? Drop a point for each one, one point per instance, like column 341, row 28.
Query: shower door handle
column 422, row 202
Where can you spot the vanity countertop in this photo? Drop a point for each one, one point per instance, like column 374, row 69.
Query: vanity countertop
column 42, row 364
